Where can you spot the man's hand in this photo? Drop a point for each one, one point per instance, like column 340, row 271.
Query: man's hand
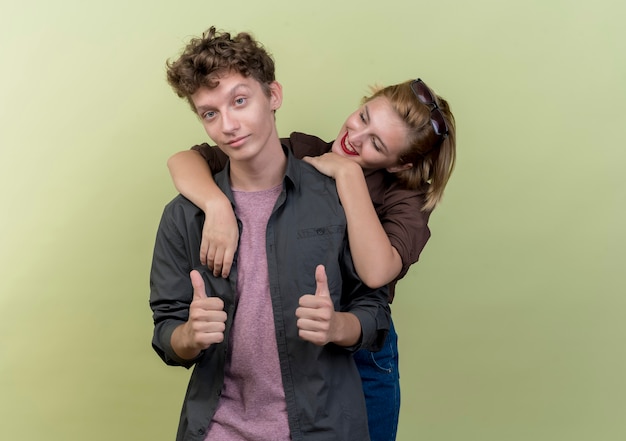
column 220, row 235
column 316, row 314
column 206, row 324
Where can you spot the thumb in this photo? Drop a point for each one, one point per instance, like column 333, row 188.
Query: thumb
column 321, row 282
column 198, row 285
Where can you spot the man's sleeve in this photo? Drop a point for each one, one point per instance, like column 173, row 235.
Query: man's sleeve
column 171, row 291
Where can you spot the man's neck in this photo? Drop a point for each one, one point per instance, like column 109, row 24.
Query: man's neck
column 264, row 171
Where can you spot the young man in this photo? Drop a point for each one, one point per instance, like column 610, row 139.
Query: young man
column 272, row 344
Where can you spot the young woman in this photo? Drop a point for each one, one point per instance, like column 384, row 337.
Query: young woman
column 391, row 160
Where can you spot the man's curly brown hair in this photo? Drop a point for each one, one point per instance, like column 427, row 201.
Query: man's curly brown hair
column 205, row 58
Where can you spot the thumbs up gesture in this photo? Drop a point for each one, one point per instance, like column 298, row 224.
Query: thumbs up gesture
column 316, row 313
column 206, row 323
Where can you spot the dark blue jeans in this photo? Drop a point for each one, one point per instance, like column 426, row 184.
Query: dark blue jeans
column 381, row 386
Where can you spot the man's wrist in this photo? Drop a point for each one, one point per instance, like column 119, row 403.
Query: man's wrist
column 182, row 343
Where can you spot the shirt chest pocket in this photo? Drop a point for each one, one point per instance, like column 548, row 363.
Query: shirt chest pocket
column 322, row 233
column 322, row 245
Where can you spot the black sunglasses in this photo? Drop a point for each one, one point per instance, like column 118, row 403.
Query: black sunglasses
column 426, row 97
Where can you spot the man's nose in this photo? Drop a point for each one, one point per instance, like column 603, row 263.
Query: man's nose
column 230, row 122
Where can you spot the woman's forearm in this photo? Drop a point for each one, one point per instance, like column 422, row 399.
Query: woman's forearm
column 376, row 261
column 220, row 232
column 193, row 179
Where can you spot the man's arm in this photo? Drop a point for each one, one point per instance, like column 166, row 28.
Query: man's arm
column 178, row 308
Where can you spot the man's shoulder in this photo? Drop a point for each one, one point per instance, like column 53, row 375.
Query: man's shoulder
column 310, row 175
column 180, row 201
column 314, row 189
column 180, row 208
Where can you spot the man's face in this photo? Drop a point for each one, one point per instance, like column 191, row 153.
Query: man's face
column 237, row 115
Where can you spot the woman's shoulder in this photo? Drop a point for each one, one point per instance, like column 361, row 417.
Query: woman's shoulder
column 386, row 189
column 395, row 185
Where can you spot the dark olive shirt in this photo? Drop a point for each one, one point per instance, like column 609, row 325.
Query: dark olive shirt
column 307, row 227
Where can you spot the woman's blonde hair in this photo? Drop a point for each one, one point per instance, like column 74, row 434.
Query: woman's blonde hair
column 432, row 156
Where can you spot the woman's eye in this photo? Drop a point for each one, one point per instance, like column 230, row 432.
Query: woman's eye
column 362, row 116
column 378, row 149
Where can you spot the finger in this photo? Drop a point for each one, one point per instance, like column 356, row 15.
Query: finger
column 204, row 313
column 204, row 251
column 306, row 302
column 321, row 282
column 198, row 285
column 229, row 255
column 315, row 309
column 312, row 324
column 317, row 338
column 217, row 262
column 210, row 256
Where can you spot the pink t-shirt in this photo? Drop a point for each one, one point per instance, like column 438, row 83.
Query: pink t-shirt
column 252, row 405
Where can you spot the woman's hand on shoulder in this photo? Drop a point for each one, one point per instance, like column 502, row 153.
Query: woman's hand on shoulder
column 331, row 164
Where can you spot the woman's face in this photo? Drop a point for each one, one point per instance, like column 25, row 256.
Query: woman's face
column 374, row 136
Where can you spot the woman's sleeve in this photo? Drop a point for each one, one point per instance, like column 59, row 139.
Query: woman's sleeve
column 406, row 225
column 302, row 145
column 215, row 158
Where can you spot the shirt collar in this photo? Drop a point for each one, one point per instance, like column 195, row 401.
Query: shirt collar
column 292, row 175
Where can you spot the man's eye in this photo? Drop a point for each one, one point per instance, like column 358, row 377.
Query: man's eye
column 240, row 101
column 208, row 115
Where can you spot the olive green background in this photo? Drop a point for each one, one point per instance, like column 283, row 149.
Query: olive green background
column 511, row 325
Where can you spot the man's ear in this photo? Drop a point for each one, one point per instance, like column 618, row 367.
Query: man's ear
column 399, row 167
column 276, row 95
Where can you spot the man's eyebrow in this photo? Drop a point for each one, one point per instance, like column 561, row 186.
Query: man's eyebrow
column 234, row 91
column 238, row 88
column 382, row 144
column 203, row 108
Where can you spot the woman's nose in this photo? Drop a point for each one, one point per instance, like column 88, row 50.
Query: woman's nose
column 356, row 136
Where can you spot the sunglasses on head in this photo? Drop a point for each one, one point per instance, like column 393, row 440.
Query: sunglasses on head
column 427, row 97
